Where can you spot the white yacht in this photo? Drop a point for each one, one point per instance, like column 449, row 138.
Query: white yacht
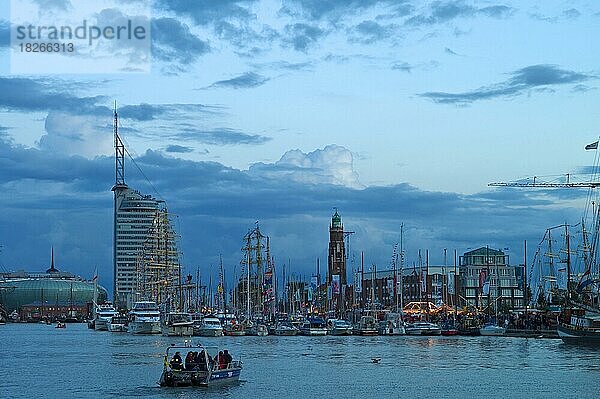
column 144, row 318
column 391, row 325
column 104, row 313
column 209, row 327
column 313, row 326
column 339, row 327
column 178, row 325
column 367, row 325
column 492, row 330
column 285, row 328
column 423, row 328
column 117, row 324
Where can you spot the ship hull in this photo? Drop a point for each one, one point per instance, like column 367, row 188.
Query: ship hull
column 580, row 336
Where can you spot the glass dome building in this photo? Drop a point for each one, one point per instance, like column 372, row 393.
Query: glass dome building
column 52, row 293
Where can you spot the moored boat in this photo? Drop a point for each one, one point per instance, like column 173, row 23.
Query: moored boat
column 117, row 324
column 492, row 330
column 257, row 329
column 104, row 312
column 285, row 328
column 391, row 325
column 339, row 327
column 200, row 368
column 367, row 325
column 178, row 325
column 144, row 318
column 423, row 328
column 313, row 326
column 210, row 326
column 581, row 328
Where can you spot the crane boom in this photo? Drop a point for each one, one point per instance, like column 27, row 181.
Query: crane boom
column 563, row 181
column 547, row 185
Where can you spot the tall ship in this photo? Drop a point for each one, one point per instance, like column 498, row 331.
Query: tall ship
column 254, row 294
column 568, row 279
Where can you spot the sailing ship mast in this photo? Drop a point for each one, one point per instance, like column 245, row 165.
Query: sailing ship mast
column 158, row 267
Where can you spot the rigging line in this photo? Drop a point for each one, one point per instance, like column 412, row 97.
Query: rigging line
column 137, row 166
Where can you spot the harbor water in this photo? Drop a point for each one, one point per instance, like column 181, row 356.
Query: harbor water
column 42, row 361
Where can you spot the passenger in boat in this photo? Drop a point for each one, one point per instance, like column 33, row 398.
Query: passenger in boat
column 190, row 361
column 221, row 360
column 228, row 358
column 176, row 362
column 201, row 361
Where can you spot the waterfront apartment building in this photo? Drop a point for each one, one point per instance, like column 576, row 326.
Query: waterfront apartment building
column 134, row 215
column 487, row 278
column 428, row 284
column 484, row 277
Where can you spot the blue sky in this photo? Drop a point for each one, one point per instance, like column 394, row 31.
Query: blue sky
column 392, row 111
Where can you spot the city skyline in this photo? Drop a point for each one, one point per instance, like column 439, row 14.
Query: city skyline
column 394, row 112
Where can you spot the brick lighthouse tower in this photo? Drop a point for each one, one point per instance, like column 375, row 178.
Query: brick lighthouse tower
column 337, row 252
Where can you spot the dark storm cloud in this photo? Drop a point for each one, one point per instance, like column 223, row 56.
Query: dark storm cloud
column 173, row 42
column 531, row 77
column 244, row 81
column 70, row 201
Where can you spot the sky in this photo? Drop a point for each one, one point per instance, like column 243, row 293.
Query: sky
column 395, row 112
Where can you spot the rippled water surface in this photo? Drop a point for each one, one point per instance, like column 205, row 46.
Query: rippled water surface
column 40, row 361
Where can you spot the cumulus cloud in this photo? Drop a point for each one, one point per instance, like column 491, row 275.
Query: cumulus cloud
column 83, row 135
column 332, row 165
column 531, row 77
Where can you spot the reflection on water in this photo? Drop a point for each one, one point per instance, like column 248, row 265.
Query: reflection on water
column 77, row 362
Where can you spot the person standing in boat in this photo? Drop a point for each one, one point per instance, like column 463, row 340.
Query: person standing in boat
column 220, row 360
column 201, row 361
column 190, row 362
column 228, row 358
column 176, row 362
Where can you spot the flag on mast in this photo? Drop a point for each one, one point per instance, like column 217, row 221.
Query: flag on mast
column 593, row 146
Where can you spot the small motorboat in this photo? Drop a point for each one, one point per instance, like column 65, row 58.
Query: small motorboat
column 285, row 328
column 339, row 327
column 423, row 328
column 210, row 326
column 492, row 330
column 60, row 324
column 313, row 326
column 201, row 368
column 367, row 325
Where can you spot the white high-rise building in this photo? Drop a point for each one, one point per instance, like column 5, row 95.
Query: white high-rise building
column 134, row 215
column 145, row 257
